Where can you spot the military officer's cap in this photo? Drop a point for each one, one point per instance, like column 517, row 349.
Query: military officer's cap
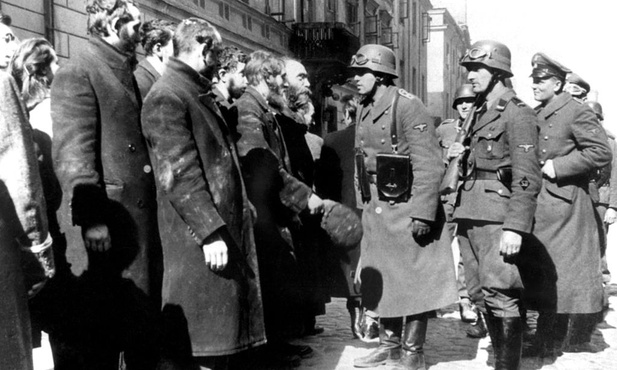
column 545, row 67
column 573, row 78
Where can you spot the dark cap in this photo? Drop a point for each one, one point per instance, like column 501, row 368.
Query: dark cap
column 573, row 78
column 544, row 67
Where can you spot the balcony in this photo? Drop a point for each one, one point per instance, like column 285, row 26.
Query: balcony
column 323, row 42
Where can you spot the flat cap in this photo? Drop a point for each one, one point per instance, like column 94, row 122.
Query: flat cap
column 573, row 78
column 544, row 67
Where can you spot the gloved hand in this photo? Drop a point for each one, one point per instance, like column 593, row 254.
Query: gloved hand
column 420, row 228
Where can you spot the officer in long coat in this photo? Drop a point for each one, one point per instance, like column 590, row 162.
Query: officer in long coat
column 497, row 196
column 407, row 265
column 202, row 201
column 571, row 144
column 109, row 207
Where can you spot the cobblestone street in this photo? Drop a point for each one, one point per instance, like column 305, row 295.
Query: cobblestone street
column 447, row 347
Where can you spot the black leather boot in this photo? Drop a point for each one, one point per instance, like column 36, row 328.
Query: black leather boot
column 580, row 330
column 493, row 324
column 413, row 343
column 510, row 333
column 389, row 350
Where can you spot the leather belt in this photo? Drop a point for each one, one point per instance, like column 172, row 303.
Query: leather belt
column 479, row 174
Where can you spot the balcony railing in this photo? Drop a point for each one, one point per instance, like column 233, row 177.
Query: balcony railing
column 323, row 42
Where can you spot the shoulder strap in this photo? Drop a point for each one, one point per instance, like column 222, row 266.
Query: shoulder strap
column 393, row 124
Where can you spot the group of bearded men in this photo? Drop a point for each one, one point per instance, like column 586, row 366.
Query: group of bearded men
column 189, row 185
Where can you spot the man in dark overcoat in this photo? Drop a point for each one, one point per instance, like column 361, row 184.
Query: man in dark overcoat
column 497, row 197
column 278, row 197
column 204, row 212
column 407, row 264
column 334, row 179
column 572, row 144
column 109, row 206
column 156, row 42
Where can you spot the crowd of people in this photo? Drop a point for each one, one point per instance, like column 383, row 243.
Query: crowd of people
column 178, row 212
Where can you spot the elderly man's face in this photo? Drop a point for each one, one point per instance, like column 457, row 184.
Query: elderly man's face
column 8, row 45
column 297, row 77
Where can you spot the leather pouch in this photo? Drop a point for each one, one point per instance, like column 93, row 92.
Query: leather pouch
column 394, row 177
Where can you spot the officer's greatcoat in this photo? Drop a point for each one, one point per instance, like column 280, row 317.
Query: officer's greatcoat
column 401, row 275
column 566, row 225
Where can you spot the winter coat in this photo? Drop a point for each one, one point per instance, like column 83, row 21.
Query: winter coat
column 402, row 275
column 145, row 75
column 23, row 222
column 201, row 196
column 566, row 225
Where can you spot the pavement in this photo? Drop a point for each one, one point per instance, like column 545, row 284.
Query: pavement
column 446, row 348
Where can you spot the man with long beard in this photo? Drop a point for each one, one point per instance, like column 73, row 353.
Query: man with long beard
column 102, row 163
column 278, row 197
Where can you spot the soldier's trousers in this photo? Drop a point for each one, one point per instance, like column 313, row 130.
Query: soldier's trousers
column 500, row 282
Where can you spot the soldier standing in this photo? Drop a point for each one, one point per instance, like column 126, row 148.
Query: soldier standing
column 497, row 198
column 447, row 131
column 572, row 144
column 407, row 265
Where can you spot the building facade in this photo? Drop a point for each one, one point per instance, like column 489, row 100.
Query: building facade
column 449, row 41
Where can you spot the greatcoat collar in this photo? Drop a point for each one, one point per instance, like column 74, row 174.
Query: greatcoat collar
column 559, row 102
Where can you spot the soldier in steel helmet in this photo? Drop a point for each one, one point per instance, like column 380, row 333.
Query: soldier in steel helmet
column 497, row 196
column 464, row 98
column 571, row 144
column 407, row 265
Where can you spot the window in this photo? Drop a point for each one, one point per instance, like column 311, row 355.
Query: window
column 413, row 80
column 265, row 31
column 351, row 12
column 414, row 18
column 247, row 22
column 224, row 11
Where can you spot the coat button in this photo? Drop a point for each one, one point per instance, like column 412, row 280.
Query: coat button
column 499, row 191
column 543, row 150
column 140, row 203
column 546, row 138
column 132, row 148
column 542, row 162
column 147, row 168
column 490, row 135
column 383, row 141
column 550, row 125
column 383, row 127
column 378, row 210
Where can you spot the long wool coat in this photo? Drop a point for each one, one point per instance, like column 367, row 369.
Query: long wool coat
column 102, row 163
column 201, row 195
column 402, row 275
column 22, row 217
column 566, row 224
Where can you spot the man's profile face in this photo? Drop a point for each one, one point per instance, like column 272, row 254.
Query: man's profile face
column 237, row 81
column 129, row 34
column 8, row 45
column 278, row 83
column 544, row 89
column 479, row 77
column 365, row 81
column 297, row 77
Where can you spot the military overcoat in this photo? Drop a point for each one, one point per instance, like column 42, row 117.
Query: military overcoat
column 200, row 195
column 401, row 275
column 566, row 226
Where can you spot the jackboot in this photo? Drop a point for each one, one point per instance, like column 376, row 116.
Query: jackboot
column 413, row 343
column 492, row 324
column 510, row 333
column 580, row 329
column 389, row 350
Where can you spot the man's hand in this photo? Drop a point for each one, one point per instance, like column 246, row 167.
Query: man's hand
column 216, row 255
column 610, row 216
column 420, row 228
column 549, row 169
column 97, row 238
column 315, row 204
column 510, row 244
column 455, row 150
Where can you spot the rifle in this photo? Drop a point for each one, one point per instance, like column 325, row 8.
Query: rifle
column 449, row 183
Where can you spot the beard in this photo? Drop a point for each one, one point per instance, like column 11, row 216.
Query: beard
column 128, row 43
column 294, row 91
column 236, row 90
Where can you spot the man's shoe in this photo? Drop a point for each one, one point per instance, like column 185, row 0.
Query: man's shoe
column 466, row 309
column 379, row 356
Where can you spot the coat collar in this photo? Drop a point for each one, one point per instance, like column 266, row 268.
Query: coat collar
column 552, row 107
column 147, row 66
column 385, row 102
column 488, row 114
column 263, row 103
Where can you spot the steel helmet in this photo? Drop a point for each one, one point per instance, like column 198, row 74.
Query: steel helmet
column 463, row 92
column 377, row 58
column 491, row 54
column 597, row 108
